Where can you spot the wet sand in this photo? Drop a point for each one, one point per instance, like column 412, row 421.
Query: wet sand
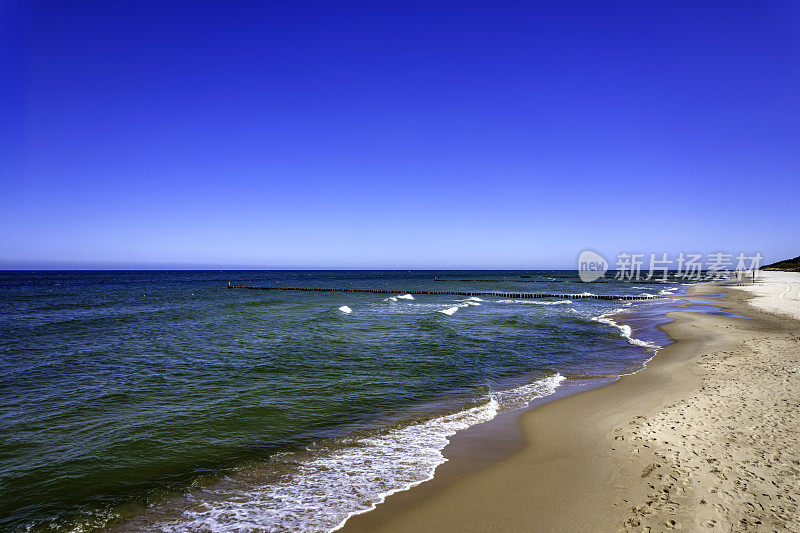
column 704, row 439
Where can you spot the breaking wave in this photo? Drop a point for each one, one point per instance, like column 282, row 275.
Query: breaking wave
column 324, row 491
column 624, row 329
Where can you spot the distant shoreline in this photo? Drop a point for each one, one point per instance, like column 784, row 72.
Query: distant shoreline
column 648, row 450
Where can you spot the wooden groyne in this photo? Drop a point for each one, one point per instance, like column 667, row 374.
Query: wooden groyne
column 559, row 280
column 456, row 293
column 502, row 280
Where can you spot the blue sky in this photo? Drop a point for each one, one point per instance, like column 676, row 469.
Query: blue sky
column 299, row 134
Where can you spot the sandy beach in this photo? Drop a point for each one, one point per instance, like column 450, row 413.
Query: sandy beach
column 704, row 439
column 317, row 267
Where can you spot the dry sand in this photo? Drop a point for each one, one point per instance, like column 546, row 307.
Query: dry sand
column 707, row 438
column 777, row 292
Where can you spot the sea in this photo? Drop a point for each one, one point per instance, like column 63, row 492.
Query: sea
column 165, row 401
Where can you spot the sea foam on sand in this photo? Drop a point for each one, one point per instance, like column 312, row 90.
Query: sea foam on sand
column 326, row 490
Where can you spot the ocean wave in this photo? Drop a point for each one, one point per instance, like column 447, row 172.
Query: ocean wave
column 345, row 309
column 520, row 397
column 406, row 297
column 624, row 329
column 534, row 302
column 449, row 311
column 390, row 299
column 325, row 491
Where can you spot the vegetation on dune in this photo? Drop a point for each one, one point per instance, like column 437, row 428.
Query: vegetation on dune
column 791, row 265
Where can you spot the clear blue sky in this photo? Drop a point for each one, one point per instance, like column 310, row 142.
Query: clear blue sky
column 300, row 134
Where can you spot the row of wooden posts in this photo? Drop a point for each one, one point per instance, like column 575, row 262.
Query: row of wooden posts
column 457, row 293
column 559, row 280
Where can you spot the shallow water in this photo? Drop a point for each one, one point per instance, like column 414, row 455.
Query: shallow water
column 164, row 401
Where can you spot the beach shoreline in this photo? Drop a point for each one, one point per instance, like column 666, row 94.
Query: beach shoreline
column 679, row 445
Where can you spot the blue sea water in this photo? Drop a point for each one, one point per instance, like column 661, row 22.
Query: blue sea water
column 163, row 401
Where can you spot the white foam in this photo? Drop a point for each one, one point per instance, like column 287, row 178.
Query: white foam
column 534, row 302
column 345, row 309
column 521, row 396
column 625, row 330
column 325, row 491
column 406, row 297
column 390, row 299
column 449, row 311
column 475, row 299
